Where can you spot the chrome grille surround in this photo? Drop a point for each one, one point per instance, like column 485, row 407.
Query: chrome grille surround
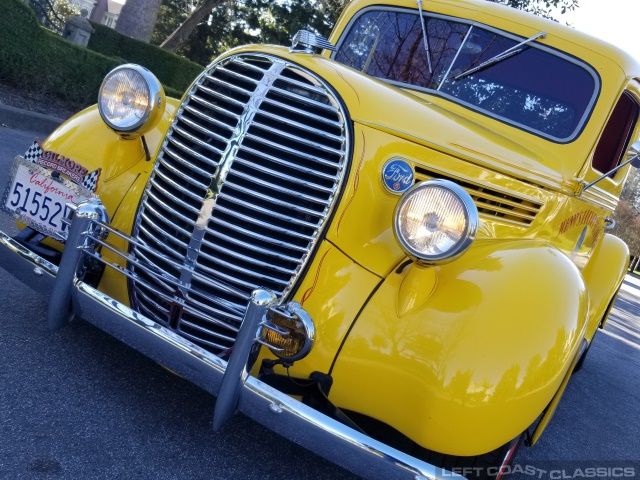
column 244, row 183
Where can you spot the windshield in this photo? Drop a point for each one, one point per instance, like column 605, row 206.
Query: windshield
column 538, row 89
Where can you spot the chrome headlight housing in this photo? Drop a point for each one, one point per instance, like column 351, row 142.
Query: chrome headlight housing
column 131, row 100
column 435, row 221
column 289, row 332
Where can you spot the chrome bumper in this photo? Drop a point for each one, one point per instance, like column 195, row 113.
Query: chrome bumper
column 230, row 382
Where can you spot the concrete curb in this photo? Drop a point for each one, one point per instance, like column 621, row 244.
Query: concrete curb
column 18, row 118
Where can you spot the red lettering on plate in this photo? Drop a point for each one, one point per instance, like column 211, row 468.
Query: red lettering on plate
column 49, row 186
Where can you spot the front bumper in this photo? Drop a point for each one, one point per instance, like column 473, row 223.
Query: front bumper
column 229, row 381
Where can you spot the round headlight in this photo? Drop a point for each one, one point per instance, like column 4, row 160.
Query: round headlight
column 435, row 221
column 131, row 100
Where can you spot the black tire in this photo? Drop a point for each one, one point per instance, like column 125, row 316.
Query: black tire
column 480, row 467
column 583, row 355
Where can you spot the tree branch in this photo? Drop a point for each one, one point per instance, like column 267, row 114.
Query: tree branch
column 181, row 34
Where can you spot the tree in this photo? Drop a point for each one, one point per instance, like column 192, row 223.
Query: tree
column 627, row 215
column 138, row 18
column 264, row 21
column 543, row 8
column 628, row 226
column 180, row 35
column 202, row 29
column 65, row 9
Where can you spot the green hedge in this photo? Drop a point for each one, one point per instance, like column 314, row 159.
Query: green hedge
column 172, row 70
column 36, row 60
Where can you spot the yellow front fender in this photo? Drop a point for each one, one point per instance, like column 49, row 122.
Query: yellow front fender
column 603, row 276
column 87, row 141
column 474, row 361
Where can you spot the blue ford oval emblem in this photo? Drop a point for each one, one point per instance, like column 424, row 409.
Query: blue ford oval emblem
column 397, row 175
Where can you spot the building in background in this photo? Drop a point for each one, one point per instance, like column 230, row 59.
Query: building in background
column 105, row 12
column 86, row 4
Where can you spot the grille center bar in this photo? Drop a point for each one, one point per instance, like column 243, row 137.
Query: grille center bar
column 218, row 178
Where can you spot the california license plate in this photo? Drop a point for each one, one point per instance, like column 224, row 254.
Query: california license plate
column 40, row 199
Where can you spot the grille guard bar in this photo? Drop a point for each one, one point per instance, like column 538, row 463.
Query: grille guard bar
column 230, row 382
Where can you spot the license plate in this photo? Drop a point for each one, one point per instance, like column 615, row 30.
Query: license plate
column 41, row 200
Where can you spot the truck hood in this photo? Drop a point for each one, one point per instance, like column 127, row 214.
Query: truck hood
column 427, row 121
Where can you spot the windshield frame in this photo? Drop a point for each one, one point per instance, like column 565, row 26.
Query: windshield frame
column 580, row 124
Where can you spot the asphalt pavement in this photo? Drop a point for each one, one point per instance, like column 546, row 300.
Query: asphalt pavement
column 20, row 119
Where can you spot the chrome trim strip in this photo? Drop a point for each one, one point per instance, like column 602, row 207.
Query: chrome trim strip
column 198, row 141
column 251, row 66
column 215, row 107
column 163, row 275
column 285, row 163
column 289, row 206
column 272, row 131
column 177, row 186
column 206, row 118
column 272, row 241
column 200, row 339
column 174, row 240
column 504, row 211
column 201, row 129
column 284, row 176
column 163, row 162
column 159, row 216
column 173, row 198
column 304, row 113
column 219, row 95
column 303, row 99
column 176, row 142
column 228, row 85
column 162, row 243
column 233, row 73
column 253, row 261
column 269, row 213
column 28, row 267
column 176, row 214
column 266, row 225
column 304, row 86
column 254, row 179
column 291, row 151
column 247, row 275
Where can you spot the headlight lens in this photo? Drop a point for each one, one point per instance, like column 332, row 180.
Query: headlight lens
column 435, row 221
column 131, row 99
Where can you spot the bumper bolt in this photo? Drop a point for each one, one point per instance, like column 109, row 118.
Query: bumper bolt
column 37, row 272
column 275, row 408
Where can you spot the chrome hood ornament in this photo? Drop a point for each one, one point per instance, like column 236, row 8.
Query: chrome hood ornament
column 304, row 42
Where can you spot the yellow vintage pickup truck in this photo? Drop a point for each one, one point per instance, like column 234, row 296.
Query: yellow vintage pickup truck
column 389, row 246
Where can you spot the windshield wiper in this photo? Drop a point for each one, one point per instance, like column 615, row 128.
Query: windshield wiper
column 510, row 52
column 424, row 36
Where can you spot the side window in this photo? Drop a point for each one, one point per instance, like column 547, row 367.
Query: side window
column 617, row 134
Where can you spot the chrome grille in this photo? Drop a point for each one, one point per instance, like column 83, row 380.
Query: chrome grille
column 490, row 201
column 242, row 187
